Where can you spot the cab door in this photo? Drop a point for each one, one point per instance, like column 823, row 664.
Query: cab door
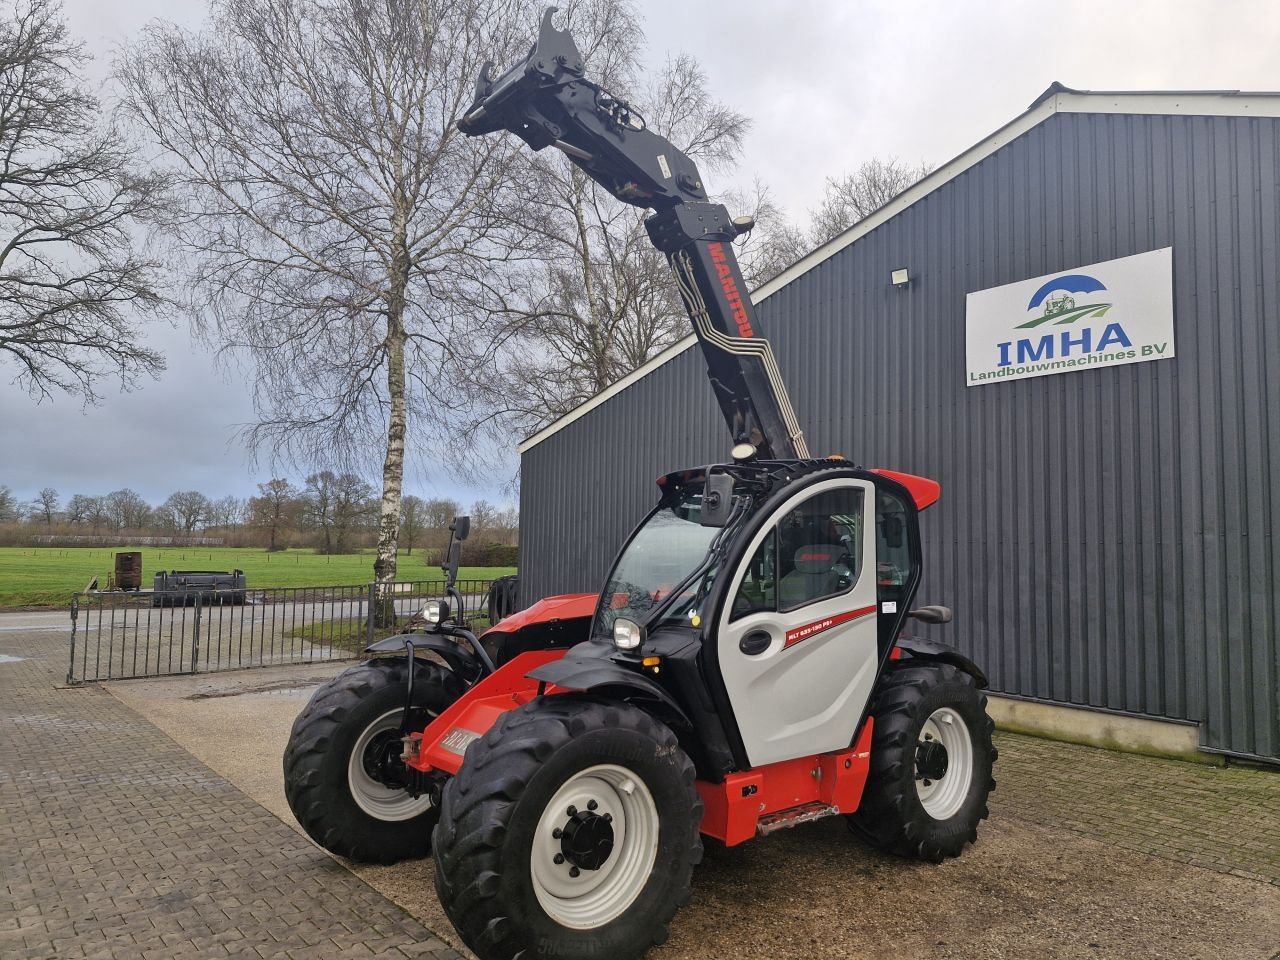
column 797, row 639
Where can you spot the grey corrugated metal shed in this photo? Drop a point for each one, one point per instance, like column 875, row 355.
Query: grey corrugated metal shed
column 1105, row 536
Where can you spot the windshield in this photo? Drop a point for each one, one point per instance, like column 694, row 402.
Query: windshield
column 664, row 551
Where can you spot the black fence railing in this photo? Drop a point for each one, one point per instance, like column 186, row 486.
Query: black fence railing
column 119, row 635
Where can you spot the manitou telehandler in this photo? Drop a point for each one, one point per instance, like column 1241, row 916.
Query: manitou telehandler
column 744, row 668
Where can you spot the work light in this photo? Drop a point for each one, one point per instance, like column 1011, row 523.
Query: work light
column 627, row 634
column 433, row 611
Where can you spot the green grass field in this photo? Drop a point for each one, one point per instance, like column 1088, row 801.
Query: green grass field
column 47, row 576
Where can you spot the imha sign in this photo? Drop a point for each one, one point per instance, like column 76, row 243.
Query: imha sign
column 1116, row 312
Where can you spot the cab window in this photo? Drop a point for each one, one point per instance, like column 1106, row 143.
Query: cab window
column 812, row 553
column 895, row 561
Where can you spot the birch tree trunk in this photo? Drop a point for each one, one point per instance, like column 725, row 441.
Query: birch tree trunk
column 397, row 427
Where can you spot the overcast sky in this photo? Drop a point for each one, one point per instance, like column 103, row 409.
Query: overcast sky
column 828, row 84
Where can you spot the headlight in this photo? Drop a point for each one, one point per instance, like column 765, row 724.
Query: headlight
column 433, row 611
column 627, row 634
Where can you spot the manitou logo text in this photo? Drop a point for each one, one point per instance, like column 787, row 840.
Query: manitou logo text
column 1118, row 312
column 730, row 287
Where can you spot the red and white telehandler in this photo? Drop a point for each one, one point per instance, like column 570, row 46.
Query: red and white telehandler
column 743, row 669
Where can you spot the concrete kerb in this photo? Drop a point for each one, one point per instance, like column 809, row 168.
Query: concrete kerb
column 1100, row 728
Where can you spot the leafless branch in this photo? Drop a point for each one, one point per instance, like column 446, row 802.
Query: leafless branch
column 72, row 283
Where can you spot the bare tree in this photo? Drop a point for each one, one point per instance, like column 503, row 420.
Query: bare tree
column 79, row 507
column 602, row 300
column 9, row 509
column 352, row 505
column 773, row 244
column 336, row 223
column 439, row 513
column 46, row 505
column 99, row 514
column 483, row 514
column 334, row 503
column 273, row 508
column 855, row 196
column 72, row 284
column 411, row 517
column 227, row 511
column 190, row 509
column 165, row 518
column 125, row 510
column 317, row 507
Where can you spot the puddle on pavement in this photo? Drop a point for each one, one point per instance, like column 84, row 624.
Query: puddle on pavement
column 281, row 692
column 285, row 690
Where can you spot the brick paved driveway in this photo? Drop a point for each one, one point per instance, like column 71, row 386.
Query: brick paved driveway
column 116, row 842
column 1224, row 819
column 140, row 842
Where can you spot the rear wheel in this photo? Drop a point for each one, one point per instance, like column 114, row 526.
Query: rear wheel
column 931, row 763
column 570, row 831
column 342, row 774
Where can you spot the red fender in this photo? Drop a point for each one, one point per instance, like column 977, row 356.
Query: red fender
column 447, row 737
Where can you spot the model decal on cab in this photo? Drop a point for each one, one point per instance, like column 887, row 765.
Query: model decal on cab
column 821, row 626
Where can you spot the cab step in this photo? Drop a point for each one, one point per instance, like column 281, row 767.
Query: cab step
column 794, row 816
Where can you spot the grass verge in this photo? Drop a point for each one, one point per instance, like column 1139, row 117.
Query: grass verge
column 47, row 576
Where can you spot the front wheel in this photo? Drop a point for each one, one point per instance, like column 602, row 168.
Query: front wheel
column 570, row 831
column 931, row 763
column 342, row 774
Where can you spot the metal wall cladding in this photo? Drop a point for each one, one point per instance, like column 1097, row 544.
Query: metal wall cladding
column 1104, row 536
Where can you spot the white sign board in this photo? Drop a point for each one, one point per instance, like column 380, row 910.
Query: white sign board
column 1100, row 315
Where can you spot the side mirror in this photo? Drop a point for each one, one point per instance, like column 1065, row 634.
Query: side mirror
column 460, row 528
column 932, row 614
column 717, row 500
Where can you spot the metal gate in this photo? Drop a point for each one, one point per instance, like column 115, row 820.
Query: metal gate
column 122, row 635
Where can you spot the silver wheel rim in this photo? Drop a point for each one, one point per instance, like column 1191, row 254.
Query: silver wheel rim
column 942, row 798
column 595, row 897
column 377, row 799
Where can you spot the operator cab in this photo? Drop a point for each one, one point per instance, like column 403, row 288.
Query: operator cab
column 667, row 568
column 805, row 583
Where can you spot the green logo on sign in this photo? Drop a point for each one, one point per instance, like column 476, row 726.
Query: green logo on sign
column 1059, row 304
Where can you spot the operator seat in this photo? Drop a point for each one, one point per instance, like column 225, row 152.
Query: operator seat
column 812, row 576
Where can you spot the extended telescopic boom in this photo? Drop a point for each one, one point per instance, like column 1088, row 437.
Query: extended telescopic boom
column 548, row 102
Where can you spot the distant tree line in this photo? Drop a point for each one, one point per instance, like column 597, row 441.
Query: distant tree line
column 329, row 512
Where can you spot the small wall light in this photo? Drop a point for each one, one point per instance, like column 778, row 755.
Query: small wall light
column 900, row 278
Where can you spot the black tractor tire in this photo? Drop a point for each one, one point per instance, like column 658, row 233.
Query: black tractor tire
column 317, row 779
column 497, row 808
column 892, row 816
